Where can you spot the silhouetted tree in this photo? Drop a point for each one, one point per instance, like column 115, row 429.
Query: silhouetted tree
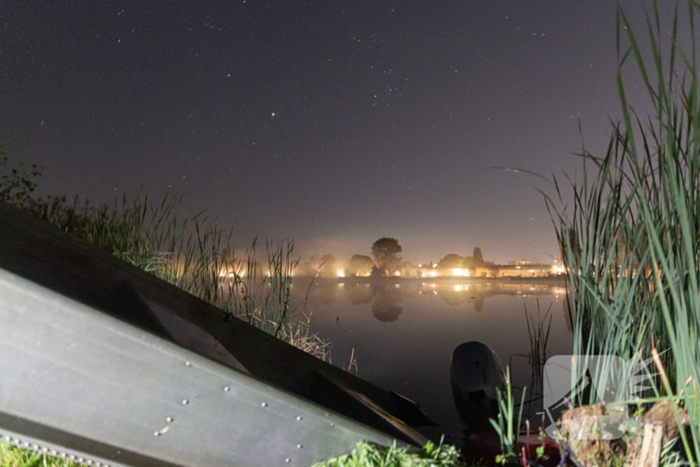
column 17, row 185
column 450, row 261
column 408, row 269
column 387, row 253
column 329, row 265
column 360, row 265
column 306, row 270
column 478, row 257
column 377, row 272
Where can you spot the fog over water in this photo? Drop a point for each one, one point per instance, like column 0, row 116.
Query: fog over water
column 403, row 333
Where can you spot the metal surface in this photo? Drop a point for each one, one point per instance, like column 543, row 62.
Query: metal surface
column 78, row 381
column 38, row 251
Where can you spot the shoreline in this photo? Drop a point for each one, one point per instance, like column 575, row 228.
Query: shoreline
column 560, row 279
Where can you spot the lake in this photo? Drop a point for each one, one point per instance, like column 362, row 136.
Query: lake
column 402, row 332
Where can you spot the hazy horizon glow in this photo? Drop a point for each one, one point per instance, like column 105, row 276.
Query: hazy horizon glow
column 333, row 124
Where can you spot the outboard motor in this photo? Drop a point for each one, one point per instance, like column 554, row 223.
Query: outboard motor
column 476, row 375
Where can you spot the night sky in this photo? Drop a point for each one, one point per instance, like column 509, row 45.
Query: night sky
column 334, row 123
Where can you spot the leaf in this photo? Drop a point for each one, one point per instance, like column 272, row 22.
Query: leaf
column 540, row 451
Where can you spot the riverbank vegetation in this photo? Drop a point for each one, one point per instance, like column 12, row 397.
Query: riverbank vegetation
column 370, row 455
column 631, row 244
column 14, row 456
column 190, row 252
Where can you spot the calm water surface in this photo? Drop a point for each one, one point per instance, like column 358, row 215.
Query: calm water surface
column 403, row 334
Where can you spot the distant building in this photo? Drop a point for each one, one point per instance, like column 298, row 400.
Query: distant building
column 490, row 270
column 518, row 270
column 525, row 270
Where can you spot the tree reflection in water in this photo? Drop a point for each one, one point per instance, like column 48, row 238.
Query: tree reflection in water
column 457, row 295
column 327, row 295
column 421, row 321
column 385, row 295
column 385, row 306
column 360, row 294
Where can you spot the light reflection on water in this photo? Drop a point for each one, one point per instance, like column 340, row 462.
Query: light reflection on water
column 403, row 334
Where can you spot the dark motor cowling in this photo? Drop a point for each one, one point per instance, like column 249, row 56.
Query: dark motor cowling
column 476, row 375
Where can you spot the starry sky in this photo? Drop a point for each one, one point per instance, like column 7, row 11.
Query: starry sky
column 331, row 122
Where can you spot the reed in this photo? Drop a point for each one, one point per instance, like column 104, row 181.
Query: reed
column 631, row 238
column 506, row 425
column 538, row 328
column 190, row 252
